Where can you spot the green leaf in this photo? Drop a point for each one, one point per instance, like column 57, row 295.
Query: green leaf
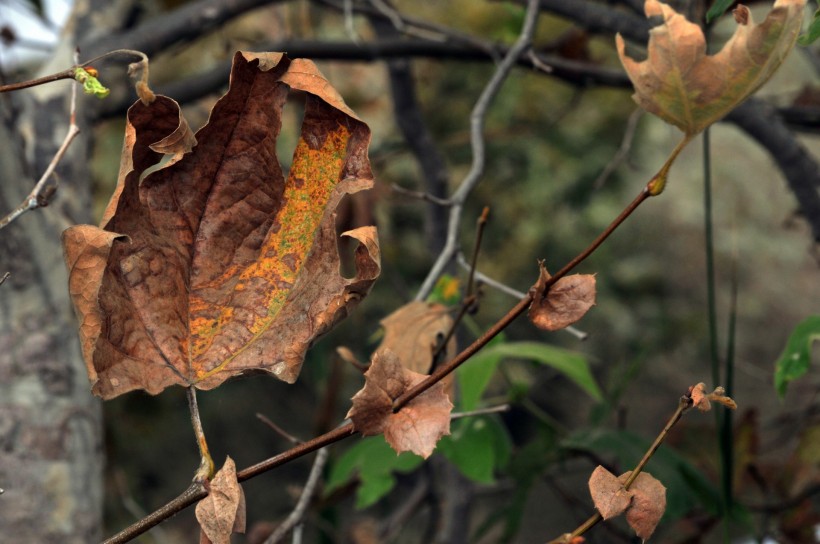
column 478, row 446
column 474, row 377
column 91, row 85
column 718, row 9
column 571, row 364
column 375, row 462
column 796, row 358
column 814, row 31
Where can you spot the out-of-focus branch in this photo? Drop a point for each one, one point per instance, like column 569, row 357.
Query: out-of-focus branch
column 599, row 18
column 186, row 23
column 477, row 118
column 410, row 120
column 760, row 121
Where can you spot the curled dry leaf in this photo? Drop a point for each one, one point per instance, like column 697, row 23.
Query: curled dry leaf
column 222, row 512
column 216, row 264
column 684, row 86
column 418, row 426
column 566, row 301
column 414, row 331
column 648, row 503
column 703, row 400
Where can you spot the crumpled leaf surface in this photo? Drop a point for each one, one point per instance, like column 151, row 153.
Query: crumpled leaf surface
column 608, row 495
column 644, row 502
column 684, row 86
column 418, row 426
column 566, row 301
column 648, row 503
column 222, row 512
column 216, row 264
column 413, row 331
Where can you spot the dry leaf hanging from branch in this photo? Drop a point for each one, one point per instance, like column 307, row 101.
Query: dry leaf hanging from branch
column 684, row 86
column 703, row 400
column 564, row 303
column 215, row 264
column 418, row 426
column 644, row 502
column 222, row 512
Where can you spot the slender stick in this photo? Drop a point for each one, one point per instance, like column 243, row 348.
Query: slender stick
column 480, row 224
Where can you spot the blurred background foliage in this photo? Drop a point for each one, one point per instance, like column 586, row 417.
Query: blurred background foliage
column 519, row 476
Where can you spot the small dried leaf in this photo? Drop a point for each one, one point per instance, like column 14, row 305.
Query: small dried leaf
column 413, row 331
column 684, row 86
column 608, row 494
column 566, row 302
column 418, row 426
column 222, row 512
column 700, row 399
column 648, row 503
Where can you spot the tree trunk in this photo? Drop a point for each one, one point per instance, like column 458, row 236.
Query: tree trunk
column 50, row 426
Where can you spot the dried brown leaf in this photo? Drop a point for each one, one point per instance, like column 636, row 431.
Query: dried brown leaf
column 566, row 301
column 215, row 264
column 700, row 399
column 413, row 331
column 418, row 426
column 608, row 493
column 222, row 512
column 648, row 503
column 684, row 86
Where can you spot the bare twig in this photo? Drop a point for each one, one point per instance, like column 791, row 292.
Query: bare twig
column 477, row 119
column 481, row 412
column 420, row 195
column 298, row 513
column 479, row 233
column 4, row 278
column 41, row 194
column 279, row 430
column 623, row 150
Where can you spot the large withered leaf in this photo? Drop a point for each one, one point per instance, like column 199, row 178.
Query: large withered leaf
column 683, row 85
column 222, row 512
column 215, row 263
column 418, row 426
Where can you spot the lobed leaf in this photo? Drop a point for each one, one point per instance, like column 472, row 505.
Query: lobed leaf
column 684, row 86
column 216, row 264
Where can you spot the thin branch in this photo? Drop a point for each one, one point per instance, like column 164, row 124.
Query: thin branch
column 477, row 119
column 420, row 195
column 277, row 429
column 4, row 278
column 481, row 412
column 623, row 150
column 41, row 194
column 296, row 516
column 480, row 224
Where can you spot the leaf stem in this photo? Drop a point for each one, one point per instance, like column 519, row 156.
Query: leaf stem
column 206, row 464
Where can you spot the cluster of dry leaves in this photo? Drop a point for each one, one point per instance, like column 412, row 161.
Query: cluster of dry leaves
column 215, row 263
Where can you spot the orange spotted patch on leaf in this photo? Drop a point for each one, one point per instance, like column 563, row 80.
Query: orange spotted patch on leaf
column 216, row 263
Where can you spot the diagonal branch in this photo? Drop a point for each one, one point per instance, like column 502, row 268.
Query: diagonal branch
column 477, row 119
